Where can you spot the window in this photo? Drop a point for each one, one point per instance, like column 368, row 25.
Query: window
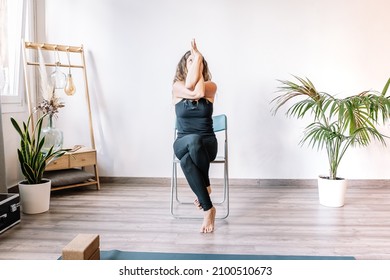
column 13, row 23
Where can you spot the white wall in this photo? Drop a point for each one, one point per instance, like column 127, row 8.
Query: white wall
column 134, row 46
column 11, row 143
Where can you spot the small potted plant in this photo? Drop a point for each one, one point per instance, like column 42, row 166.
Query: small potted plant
column 34, row 189
column 337, row 124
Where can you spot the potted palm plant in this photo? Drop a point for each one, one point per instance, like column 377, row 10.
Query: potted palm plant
column 337, row 124
column 34, row 189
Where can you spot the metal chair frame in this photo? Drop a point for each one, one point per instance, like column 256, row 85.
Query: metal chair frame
column 219, row 125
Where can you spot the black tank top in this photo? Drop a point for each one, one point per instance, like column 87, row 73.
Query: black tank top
column 194, row 117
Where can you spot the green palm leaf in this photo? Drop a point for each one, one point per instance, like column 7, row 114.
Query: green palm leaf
column 337, row 123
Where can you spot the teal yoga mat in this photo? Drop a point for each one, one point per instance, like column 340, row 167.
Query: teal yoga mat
column 125, row 255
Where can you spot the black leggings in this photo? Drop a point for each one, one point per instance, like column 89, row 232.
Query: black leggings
column 195, row 153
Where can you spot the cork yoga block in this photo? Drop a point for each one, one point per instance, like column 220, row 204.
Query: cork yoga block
column 82, row 247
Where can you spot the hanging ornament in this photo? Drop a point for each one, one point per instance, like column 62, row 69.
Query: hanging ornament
column 70, row 87
column 58, row 78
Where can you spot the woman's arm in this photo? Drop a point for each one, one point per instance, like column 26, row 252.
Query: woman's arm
column 202, row 90
column 194, row 66
column 194, row 87
column 180, row 90
column 210, row 90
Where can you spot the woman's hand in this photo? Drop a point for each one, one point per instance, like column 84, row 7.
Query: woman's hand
column 194, row 67
column 194, row 49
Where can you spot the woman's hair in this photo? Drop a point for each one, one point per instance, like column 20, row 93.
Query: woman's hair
column 181, row 69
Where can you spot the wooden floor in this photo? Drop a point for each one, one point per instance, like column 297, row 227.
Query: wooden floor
column 277, row 220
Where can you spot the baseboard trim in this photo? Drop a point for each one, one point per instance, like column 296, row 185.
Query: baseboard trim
column 360, row 183
column 247, row 182
column 134, row 180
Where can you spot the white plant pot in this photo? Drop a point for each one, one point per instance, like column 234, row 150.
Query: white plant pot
column 35, row 198
column 332, row 192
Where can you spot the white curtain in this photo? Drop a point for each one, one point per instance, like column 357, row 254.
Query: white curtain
column 14, row 16
column 3, row 43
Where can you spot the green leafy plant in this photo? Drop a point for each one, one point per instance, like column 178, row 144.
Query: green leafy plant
column 338, row 123
column 31, row 158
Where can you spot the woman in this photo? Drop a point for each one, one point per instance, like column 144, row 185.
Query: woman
column 196, row 145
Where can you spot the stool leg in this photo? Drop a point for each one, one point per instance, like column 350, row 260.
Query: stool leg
column 173, row 186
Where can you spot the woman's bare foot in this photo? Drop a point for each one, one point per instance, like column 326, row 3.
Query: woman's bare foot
column 208, row 221
column 196, row 201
